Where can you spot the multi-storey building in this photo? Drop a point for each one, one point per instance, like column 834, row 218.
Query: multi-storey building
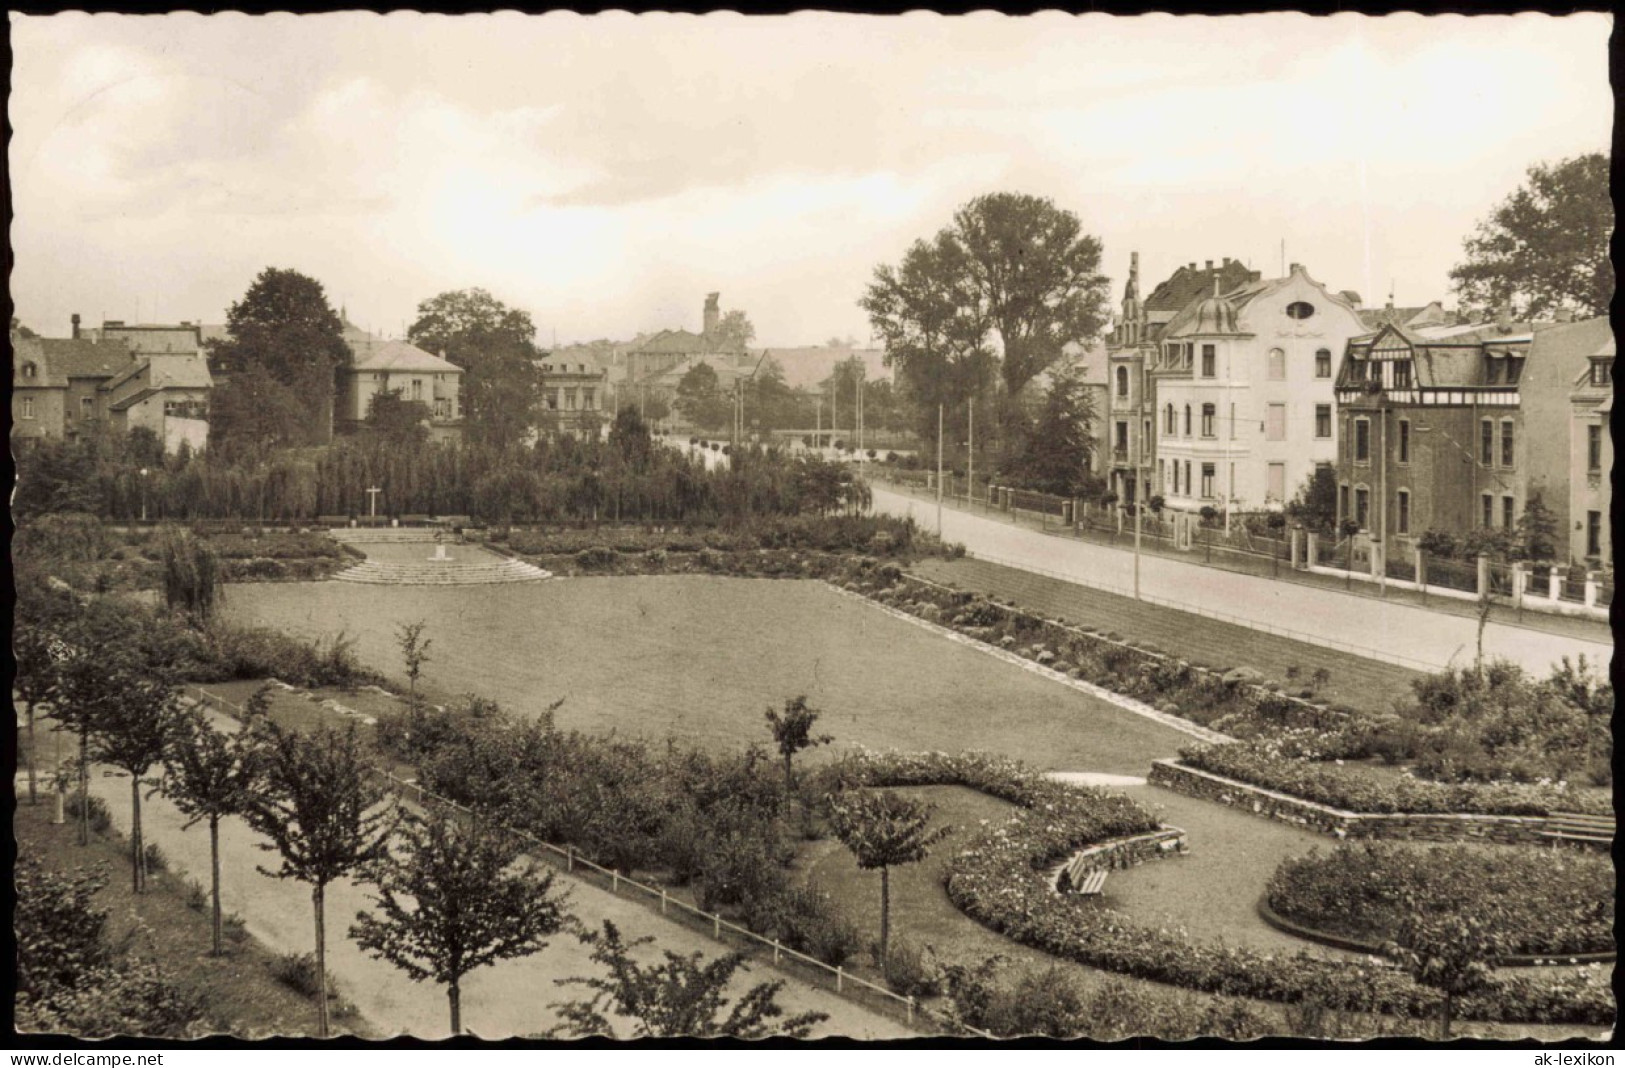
column 382, row 365
column 1129, row 444
column 1591, row 459
column 1456, row 427
column 1243, row 405
column 573, row 397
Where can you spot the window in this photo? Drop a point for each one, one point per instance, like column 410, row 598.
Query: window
column 1509, row 513
column 442, row 409
column 1323, row 420
column 1145, row 434
column 1276, row 489
column 553, row 400
column 1210, row 361
column 1209, row 413
column 1362, row 441
column 1275, row 422
column 1122, row 381
column 1404, row 441
column 1356, row 369
column 1402, row 374
column 1514, row 369
column 1593, row 533
column 1170, row 428
column 1362, row 506
column 1487, row 515
column 1506, row 443
column 1189, row 485
column 1232, row 422
column 1486, row 443
column 1121, row 442
column 417, row 389
column 1207, row 482
column 1594, row 448
column 29, row 370
column 1602, row 372
column 1403, row 512
column 1343, row 500
column 87, row 407
column 1492, row 371
column 1175, row 465
column 1277, row 365
column 589, row 399
column 28, row 408
column 1299, row 310
column 1187, row 420
column 1323, row 363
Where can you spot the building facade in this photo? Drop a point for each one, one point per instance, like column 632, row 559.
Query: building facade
column 1456, row 427
column 574, row 398
column 1243, row 410
column 382, row 366
column 1590, row 533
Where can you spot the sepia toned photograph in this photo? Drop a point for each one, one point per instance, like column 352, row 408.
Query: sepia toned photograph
column 663, row 527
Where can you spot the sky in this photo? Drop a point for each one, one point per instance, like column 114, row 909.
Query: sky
column 605, row 172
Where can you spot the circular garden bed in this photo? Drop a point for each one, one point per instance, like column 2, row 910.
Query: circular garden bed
column 1549, row 905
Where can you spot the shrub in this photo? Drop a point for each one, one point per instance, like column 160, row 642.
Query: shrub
column 101, row 820
column 913, row 971
column 804, row 919
column 297, row 972
column 197, row 898
column 156, row 861
column 596, row 558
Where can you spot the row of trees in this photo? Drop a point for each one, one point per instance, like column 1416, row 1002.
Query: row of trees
column 626, row 477
column 770, row 403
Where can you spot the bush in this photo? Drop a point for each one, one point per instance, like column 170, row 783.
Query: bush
column 197, row 898
column 596, row 558
column 297, row 972
column 156, row 861
column 804, row 919
column 101, row 820
column 913, row 971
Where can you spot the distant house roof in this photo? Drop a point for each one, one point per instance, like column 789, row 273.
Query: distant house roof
column 811, row 366
column 1191, row 282
column 167, row 371
column 680, row 341
column 1431, row 314
column 399, row 356
column 155, row 338
column 82, row 358
column 29, row 352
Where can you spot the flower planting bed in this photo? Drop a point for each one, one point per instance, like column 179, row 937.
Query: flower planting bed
column 1355, row 802
column 1549, row 908
column 1002, row 880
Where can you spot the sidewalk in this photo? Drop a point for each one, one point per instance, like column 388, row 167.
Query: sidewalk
column 1386, row 630
column 510, row 999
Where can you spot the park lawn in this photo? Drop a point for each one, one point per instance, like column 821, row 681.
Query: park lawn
column 241, row 997
column 699, row 658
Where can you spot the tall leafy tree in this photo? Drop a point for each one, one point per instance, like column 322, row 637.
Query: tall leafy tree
column 679, row 998
column 1060, row 445
column 700, row 397
column 496, row 346
column 396, row 421
column 210, row 775
column 883, row 830
column 35, row 683
column 734, row 332
column 456, row 901
column 1315, row 506
column 320, row 813
column 277, row 364
column 1546, row 245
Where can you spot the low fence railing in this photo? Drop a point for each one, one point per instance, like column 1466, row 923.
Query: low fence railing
column 852, row 987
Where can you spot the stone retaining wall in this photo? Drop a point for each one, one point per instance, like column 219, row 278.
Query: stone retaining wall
column 1271, row 804
column 1121, row 853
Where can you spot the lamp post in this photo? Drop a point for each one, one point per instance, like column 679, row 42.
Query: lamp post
column 144, row 494
column 939, row 472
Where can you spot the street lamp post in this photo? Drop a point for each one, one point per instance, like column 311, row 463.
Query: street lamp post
column 1139, row 506
column 939, row 472
column 144, row 494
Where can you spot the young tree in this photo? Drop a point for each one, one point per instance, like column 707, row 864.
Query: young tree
column 456, row 902
column 136, row 724
column 415, row 652
column 1537, row 530
column 1059, row 449
column 283, row 344
column 496, row 346
column 734, row 332
column 210, row 775
column 1315, row 506
column 396, row 421
column 321, row 815
column 1448, row 949
column 792, row 732
column 883, row 830
column 1545, row 246
column 680, row 998
column 36, row 684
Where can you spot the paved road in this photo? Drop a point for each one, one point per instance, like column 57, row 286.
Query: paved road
column 505, row 1000
column 1402, row 634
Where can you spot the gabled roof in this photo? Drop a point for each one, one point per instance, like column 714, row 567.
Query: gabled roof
column 678, row 341
column 399, row 356
column 82, row 358
column 1190, row 283
column 31, row 350
column 809, row 367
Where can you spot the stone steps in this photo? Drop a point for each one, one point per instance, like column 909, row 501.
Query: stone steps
column 387, row 535
column 449, row 573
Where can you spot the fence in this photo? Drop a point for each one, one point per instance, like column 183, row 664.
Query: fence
column 1451, row 574
column 851, row 987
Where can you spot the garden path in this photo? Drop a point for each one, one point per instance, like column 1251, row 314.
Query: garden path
column 507, row 999
column 1401, row 633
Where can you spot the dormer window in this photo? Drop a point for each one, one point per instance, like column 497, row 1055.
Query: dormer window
column 1514, row 370
column 30, row 371
column 1602, row 372
column 1492, row 372
column 1300, row 310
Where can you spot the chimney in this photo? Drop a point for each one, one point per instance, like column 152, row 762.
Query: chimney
column 1193, row 265
column 1210, row 265
column 1503, row 317
column 711, row 315
column 1297, row 268
column 1227, row 261
column 75, row 320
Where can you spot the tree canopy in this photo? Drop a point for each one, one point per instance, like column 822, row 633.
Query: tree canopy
column 1059, row 448
column 733, row 332
column 495, row 345
column 700, row 398
column 276, row 364
column 1545, row 246
column 396, row 420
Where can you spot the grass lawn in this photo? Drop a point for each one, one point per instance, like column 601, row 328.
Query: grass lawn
column 700, row 658
column 241, row 997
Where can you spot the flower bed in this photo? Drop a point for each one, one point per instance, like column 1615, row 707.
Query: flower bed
column 1545, row 904
column 1001, row 881
column 1356, row 790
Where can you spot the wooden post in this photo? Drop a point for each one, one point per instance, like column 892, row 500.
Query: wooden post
column 840, row 976
column 716, row 927
column 662, row 901
column 775, row 951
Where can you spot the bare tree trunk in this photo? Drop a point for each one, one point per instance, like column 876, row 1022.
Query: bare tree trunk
column 317, row 896
column 454, row 994
column 138, row 855
column 885, row 914
column 84, row 788
column 1444, row 1019
column 214, row 861
column 33, row 789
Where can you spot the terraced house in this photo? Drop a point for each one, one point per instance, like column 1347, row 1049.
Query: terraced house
column 1456, row 426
